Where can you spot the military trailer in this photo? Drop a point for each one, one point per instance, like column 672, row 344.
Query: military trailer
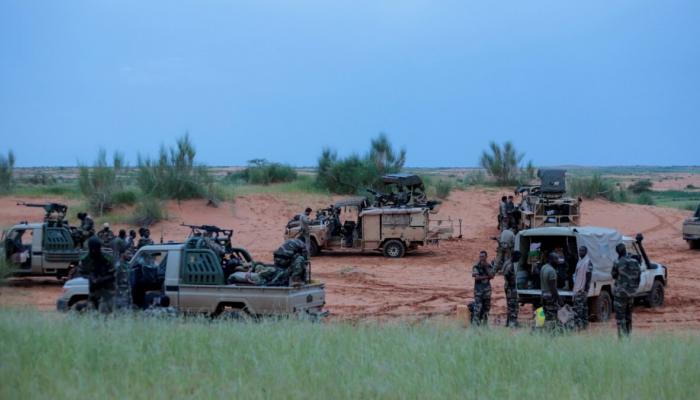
column 691, row 230
column 536, row 243
column 192, row 278
column 546, row 204
column 42, row 248
column 353, row 225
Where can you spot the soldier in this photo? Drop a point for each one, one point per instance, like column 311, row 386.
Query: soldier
column 293, row 256
column 506, row 241
column 145, row 238
column 502, row 213
column 582, row 282
column 626, row 272
column 213, row 245
column 99, row 270
column 551, row 302
column 304, row 231
column 119, row 245
column 106, row 235
column 482, row 273
column 131, row 240
column 509, row 284
column 87, row 227
column 122, row 253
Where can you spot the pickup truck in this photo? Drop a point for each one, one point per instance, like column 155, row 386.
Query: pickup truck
column 193, row 280
column 39, row 249
column 691, row 230
column 534, row 244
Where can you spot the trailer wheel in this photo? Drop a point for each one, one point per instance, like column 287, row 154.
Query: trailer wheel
column 602, row 307
column 394, row 249
column 655, row 298
column 314, row 250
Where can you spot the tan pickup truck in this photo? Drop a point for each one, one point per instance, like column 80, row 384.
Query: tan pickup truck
column 691, row 230
column 194, row 282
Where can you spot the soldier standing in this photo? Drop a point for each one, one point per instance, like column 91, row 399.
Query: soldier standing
column 626, row 272
column 509, row 284
column 582, row 282
column 106, row 235
column 131, row 240
column 99, row 271
column 304, row 231
column 87, row 227
column 550, row 296
column 145, row 238
column 502, row 213
column 482, row 273
column 506, row 241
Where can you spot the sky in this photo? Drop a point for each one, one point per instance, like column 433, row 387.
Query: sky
column 569, row 83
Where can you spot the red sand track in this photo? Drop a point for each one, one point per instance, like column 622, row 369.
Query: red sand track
column 430, row 282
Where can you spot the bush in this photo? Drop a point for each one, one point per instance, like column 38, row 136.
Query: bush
column 691, row 186
column 149, row 210
column 645, row 198
column 263, row 172
column 174, row 175
column 503, row 163
column 354, row 173
column 443, row 189
column 640, row 186
column 40, row 178
column 7, row 166
column 592, row 188
column 125, row 197
column 474, row 178
column 99, row 183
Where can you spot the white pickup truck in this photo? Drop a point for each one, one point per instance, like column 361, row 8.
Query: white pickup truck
column 194, row 282
column 534, row 244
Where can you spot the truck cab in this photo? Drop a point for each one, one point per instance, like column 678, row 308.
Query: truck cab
column 193, row 279
column 536, row 243
column 39, row 249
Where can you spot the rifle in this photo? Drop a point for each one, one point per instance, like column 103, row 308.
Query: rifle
column 210, row 229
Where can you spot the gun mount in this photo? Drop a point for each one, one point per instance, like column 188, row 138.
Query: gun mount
column 219, row 235
column 54, row 213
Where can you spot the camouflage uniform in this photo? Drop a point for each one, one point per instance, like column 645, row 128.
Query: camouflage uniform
column 144, row 241
column 509, row 284
column 304, row 231
column 549, row 303
column 123, row 298
column 482, row 294
column 626, row 272
column 100, row 272
column 106, row 236
column 505, row 247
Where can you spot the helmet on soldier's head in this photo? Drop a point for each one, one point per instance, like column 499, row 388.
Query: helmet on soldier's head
column 105, row 226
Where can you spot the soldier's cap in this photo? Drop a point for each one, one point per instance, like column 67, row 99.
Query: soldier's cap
column 105, row 225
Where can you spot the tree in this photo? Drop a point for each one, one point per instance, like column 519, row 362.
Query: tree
column 502, row 162
column 99, row 183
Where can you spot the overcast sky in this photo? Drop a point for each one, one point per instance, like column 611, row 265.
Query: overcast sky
column 589, row 82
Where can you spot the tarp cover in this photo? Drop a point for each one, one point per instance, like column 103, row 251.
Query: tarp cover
column 553, row 180
column 402, row 179
column 601, row 244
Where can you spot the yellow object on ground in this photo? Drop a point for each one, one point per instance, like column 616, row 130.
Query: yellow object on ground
column 539, row 317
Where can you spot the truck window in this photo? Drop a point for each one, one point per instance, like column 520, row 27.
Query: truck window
column 634, row 252
column 201, row 267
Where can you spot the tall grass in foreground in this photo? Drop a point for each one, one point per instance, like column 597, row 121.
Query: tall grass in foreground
column 55, row 356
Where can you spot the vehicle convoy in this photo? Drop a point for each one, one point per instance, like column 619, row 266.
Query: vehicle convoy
column 191, row 276
column 691, row 230
column 395, row 223
column 42, row 248
column 536, row 243
column 546, row 204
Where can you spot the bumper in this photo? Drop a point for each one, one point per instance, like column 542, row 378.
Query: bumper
column 62, row 305
column 691, row 237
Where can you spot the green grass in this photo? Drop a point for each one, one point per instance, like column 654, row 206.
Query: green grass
column 62, row 189
column 684, row 200
column 56, row 356
column 303, row 184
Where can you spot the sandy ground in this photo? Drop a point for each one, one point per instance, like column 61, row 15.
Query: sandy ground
column 433, row 281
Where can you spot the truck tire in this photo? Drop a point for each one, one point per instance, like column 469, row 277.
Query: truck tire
column 394, row 249
column 655, row 298
column 694, row 244
column 602, row 307
column 314, row 250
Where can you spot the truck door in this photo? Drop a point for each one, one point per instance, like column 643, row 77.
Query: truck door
column 37, row 250
column 200, row 270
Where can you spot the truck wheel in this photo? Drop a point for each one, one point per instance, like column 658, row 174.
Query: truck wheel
column 602, row 307
column 655, row 298
column 313, row 248
column 394, row 249
column 80, row 306
column 694, row 244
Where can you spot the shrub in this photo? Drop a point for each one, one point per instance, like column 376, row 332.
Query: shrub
column 174, row 175
column 149, row 210
column 354, row 173
column 125, row 197
column 99, row 183
column 502, row 162
column 443, row 189
column 591, row 188
column 41, row 178
column 474, row 178
column 263, row 172
column 691, row 186
column 640, row 186
column 7, row 166
column 645, row 198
